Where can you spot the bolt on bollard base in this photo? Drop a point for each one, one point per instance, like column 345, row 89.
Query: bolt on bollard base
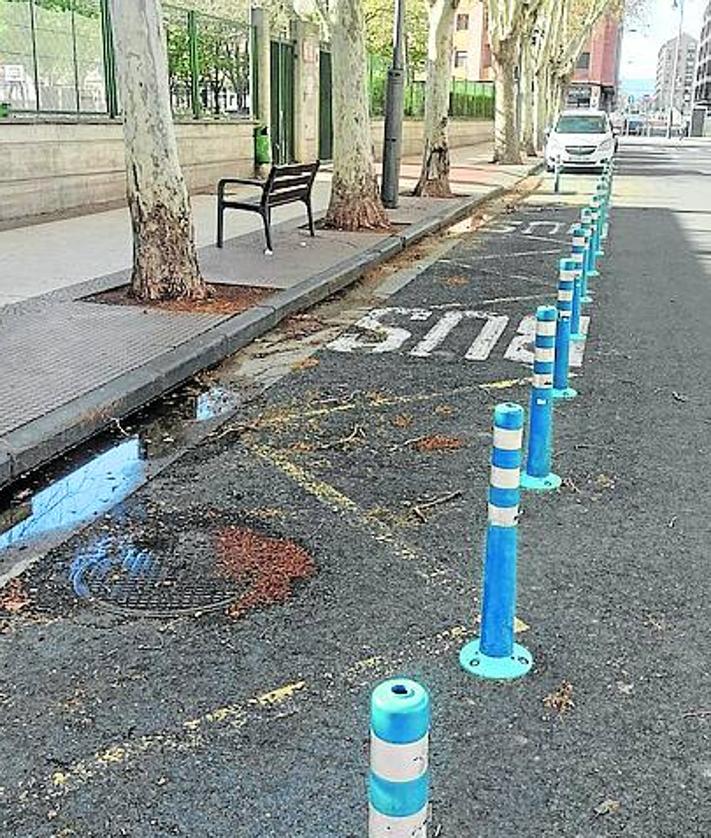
column 475, row 662
column 494, row 654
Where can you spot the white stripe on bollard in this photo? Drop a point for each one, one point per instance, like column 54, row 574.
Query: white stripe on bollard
column 396, row 762
column 504, row 516
column 507, row 438
column 413, row 826
column 504, row 478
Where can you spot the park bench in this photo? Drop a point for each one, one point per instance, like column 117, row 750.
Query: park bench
column 284, row 185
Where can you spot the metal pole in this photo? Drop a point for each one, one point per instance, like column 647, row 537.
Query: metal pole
column 392, row 144
column 670, row 120
column 194, row 65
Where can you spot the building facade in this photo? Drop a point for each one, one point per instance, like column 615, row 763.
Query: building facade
column 680, row 55
column 702, row 81
column 596, row 77
column 471, row 59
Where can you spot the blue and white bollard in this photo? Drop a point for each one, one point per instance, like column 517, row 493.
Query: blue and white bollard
column 603, row 198
column 398, row 784
column 596, row 204
column 538, row 475
column 561, row 367
column 581, row 237
column 558, row 168
column 495, row 654
column 576, row 309
column 589, row 215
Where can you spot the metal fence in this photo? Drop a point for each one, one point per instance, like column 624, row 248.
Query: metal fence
column 57, row 57
column 467, row 99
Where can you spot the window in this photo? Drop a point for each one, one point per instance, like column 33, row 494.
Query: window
column 460, row 58
column 583, row 124
column 583, row 61
column 462, row 22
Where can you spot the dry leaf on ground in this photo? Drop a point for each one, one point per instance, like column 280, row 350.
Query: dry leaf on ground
column 14, row 598
column 561, row 700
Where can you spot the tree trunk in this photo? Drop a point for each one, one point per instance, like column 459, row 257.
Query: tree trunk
column 355, row 199
column 164, row 259
column 541, row 112
column 528, row 144
column 506, row 136
column 434, row 176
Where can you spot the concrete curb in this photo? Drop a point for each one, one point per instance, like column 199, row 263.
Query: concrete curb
column 42, row 439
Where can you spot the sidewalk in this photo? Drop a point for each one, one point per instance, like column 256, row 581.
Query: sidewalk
column 71, row 366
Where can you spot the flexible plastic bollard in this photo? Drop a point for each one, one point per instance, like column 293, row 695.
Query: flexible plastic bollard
column 538, row 475
column 592, row 257
column 603, row 197
column 561, row 367
column 576, row 308
column 586, row 224
column 598, row 211
column 495, row 654
column 398, row 784
column 581, row 236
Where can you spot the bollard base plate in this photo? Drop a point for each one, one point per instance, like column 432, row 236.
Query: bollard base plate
column 593, row 274
column 567, row 393
column 549, row 483
column 578, row 336
column 476, row 663
column 586, row 299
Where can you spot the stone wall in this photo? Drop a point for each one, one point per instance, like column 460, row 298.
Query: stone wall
column 56, row 167
column 49, row 168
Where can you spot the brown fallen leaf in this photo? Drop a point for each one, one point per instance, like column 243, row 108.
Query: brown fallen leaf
column 560, row 700
column 306, row 363
column 438, row 442
column 607, row 807
column 14, row 598
column 402, row 420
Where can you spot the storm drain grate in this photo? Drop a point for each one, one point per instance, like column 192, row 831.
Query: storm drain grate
column 207, row 566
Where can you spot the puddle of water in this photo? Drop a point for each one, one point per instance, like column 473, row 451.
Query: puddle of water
column 49, row 507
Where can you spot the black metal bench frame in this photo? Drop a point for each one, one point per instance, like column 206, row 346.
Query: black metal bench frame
column 284, row 185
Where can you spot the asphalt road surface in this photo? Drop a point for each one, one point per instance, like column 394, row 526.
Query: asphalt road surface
column 199, row 661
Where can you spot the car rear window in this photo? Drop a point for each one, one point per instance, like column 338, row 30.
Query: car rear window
column 581, row 125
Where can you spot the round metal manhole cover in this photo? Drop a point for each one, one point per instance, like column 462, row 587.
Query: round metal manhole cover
column 204, row 566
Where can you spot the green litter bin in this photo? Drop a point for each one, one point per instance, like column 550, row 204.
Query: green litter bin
column 4, row 110
column 262, row 145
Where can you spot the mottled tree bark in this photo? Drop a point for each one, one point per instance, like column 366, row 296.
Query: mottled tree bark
column 164, row 259
column 355, row 198
column 507, row 148
column 434, row 175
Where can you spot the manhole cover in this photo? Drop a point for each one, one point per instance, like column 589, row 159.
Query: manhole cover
column 206, row 566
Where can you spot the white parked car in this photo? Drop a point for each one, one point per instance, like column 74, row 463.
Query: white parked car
column 581, row 139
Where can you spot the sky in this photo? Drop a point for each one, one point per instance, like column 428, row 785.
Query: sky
column 642, row 40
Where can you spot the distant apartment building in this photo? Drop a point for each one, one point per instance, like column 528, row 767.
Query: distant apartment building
column 596, row 77
column 702, row 82
column 677, row 54
column 471, row 59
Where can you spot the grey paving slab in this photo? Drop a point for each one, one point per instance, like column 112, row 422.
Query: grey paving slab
column 52, row 356
column 296, row 256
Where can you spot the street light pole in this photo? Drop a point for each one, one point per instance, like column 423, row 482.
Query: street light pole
column 394, row 105
column 670, row 120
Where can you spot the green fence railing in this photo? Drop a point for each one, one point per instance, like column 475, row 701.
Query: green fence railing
column 57, row 57
column 467, row 99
